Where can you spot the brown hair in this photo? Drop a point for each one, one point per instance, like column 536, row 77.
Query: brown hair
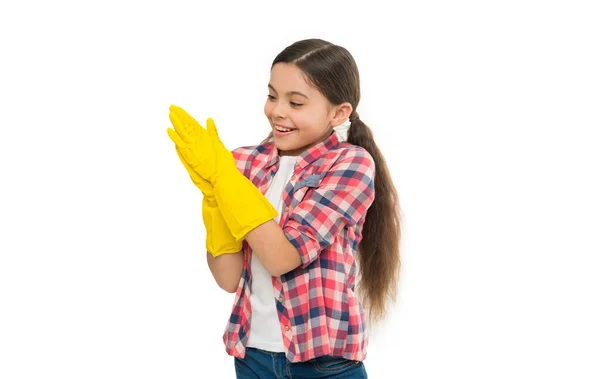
column 333, row 71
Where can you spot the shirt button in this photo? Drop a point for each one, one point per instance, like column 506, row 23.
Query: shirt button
column 293, row 177
column 287, row 209
column 281, row 299
column 287, row 328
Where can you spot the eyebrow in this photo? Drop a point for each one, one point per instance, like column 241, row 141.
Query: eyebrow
column 290, row 92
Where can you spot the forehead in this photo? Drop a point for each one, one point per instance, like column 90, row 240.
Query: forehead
column 288, row 77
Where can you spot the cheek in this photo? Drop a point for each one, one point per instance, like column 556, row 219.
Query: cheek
column 306, row 119
column 268, row 108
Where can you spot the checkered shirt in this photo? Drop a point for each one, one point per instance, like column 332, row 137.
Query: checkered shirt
column 324, row 208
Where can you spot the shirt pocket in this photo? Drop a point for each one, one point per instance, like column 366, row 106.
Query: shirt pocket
column 303, row 186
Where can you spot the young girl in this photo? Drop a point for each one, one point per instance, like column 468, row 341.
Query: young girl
column 329, row 211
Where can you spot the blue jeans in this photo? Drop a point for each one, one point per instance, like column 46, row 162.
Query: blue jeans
column 261, row 364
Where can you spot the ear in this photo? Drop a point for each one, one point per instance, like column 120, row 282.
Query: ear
column 341, row 113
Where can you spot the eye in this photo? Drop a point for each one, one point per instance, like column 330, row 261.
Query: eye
column 270, row 97
column 295, row 104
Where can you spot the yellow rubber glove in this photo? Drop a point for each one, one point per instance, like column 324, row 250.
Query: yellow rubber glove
column 219, row 239
column 242, row 205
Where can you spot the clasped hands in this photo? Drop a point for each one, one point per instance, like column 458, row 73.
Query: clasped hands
column 200, row 150
column 232, row 205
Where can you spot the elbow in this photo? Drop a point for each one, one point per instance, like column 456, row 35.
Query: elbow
column 230, row 289
column 289, row 262
column 282, row 269
column 277, row 271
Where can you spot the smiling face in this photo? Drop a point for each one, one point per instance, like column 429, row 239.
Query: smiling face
column 299, row 114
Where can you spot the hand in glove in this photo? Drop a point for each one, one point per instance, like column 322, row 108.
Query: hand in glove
column 219, row 239
column 242, row 205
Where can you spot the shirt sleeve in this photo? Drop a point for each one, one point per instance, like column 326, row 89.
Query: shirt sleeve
column 243, row 158
column 341, row 199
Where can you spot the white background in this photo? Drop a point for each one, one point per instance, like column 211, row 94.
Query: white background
column 487, row 113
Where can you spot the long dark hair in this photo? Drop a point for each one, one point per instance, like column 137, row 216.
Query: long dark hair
column 332, row 70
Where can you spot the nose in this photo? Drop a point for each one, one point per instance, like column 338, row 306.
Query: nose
column 278, row 111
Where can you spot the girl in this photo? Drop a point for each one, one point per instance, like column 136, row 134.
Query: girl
column 329, row 209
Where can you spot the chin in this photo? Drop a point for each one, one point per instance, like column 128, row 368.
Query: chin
column 285, row 146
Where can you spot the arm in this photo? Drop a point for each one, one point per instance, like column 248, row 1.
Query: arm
column 272, row 247
column 341, row 199
column 226, row 269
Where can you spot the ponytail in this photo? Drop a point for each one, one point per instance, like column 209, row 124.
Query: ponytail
column 379, row 250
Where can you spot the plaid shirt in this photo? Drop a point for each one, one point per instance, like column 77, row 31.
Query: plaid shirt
column 324, row 208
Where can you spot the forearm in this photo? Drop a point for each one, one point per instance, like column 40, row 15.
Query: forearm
column 272, row 247
column 226, row 269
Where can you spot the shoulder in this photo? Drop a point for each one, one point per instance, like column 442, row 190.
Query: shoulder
column 356, row 153
column 252, row 150
column 252, row 155
column 245, row 152
column 351, row 157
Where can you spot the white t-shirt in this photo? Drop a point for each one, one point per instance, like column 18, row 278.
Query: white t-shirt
column 265, row 329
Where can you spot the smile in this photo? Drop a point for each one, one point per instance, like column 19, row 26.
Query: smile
column 282, row 129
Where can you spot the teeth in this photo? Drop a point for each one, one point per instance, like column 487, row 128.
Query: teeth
column 282, row 129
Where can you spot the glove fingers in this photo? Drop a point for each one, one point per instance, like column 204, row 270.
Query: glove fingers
column 187, row 166
column 190, row 128
column 184, row 124
column 180, row 112
column 213, row 133
column 204, row 185
column 188, row 156
column 179, row 143
column 195, row 176
column 180, row 128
